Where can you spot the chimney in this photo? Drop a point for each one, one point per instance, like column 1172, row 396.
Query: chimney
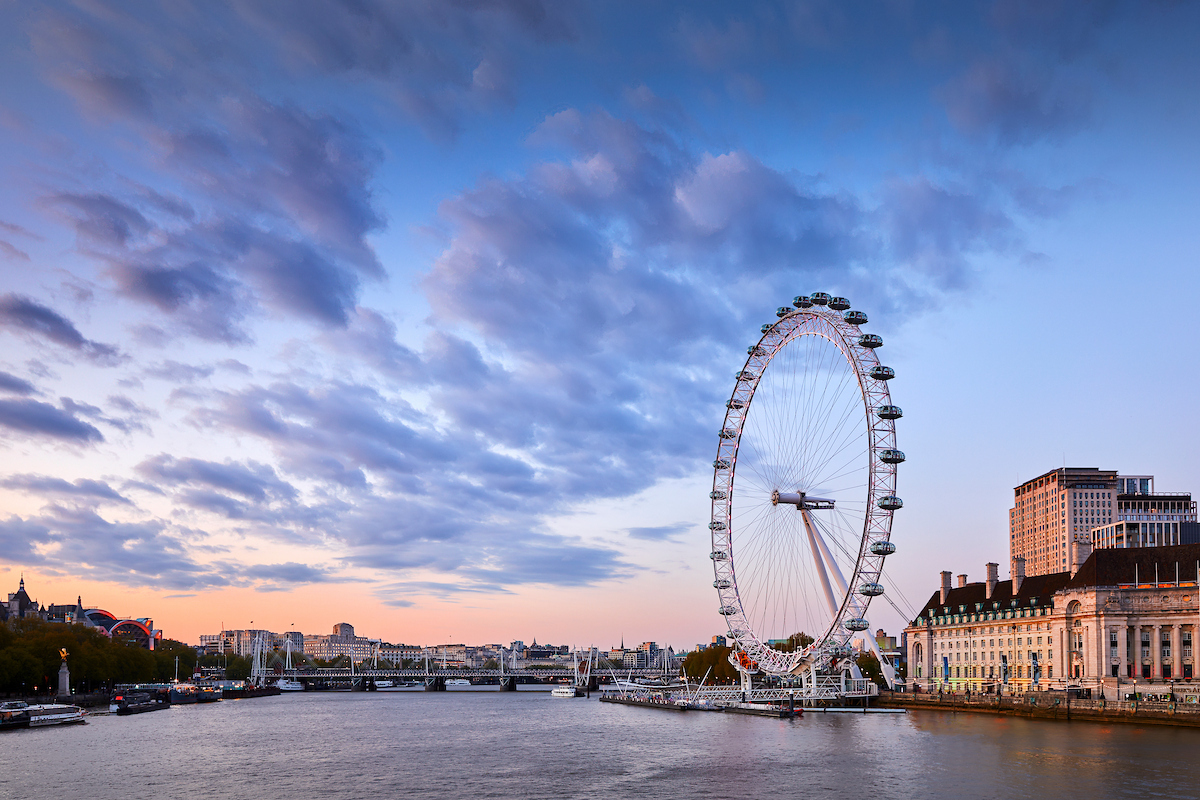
column 945, row 586
column 1079, row 554
column 1018, row 573
column 962, row 581
column 993, row 577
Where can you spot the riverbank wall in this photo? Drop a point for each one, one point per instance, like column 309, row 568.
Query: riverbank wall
column 1051, row 705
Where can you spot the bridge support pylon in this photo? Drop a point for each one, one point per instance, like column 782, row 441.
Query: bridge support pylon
column 435, row 683
column 508, row 683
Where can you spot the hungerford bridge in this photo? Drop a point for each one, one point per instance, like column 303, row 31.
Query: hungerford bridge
column 641, row 683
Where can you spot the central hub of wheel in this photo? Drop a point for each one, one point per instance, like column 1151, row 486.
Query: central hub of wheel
column 800, row 500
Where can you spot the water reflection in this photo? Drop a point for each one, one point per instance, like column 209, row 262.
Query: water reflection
column 341, row 745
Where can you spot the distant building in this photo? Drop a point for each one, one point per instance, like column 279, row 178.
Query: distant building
column 19, row 605
column 140, row 631
column 342, row 642
column 1147, row 518
column 1098, row 507
column 1055, row 509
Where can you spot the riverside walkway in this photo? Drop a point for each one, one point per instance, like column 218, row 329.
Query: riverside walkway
column 1052, row 705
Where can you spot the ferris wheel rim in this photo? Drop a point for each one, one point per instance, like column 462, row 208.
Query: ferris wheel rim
column 858, row 350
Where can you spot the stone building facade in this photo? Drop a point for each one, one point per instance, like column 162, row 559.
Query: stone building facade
column 1117, row 617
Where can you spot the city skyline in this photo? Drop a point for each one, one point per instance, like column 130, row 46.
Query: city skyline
column 426, row 321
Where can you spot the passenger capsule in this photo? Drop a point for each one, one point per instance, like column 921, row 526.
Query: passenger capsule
column 719, row 555
column 871, row 340
column 839, row 303
column 890, row 503
column 782, row 311
column 840, row 651
column 855, row 317
column 891, row 456
column 856, row 624
column 755, row 350
column 802, row 301
column 889, row 412
column 722, row 583
column 728, row 433
column 882, row 373
column 883, row 548
column 745, row 375
column 766, row 327
column 735, row 404
column 819, row 298
column 721, row 463
column 716, row 526
column 728, row 611
column 717, row 495
column 871, row 589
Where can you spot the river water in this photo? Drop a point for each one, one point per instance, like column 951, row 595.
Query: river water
column 461, row 744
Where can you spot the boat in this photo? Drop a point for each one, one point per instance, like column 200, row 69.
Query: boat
column 55, row 714
column 565, row 691
column 289, row 685
column 140, row 702
column 183, row 694
column 206, row 693
column 13, row 714
column 242, row 690
column 457, row 682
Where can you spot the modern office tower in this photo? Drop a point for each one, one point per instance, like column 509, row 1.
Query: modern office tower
column 1146, row 518
column 1053, row 510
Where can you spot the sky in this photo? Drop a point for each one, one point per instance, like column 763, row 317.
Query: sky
column 422, row 315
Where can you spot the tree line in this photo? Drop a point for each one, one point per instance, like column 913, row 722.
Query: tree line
column 29, row 658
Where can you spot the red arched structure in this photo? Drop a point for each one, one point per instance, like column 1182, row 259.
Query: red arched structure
column 134, row 631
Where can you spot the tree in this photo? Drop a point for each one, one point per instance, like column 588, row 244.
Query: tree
column 238, row 669
column 869, row 665
column 712, row 660
column 797, row 641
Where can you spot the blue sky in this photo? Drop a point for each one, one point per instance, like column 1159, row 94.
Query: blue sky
column 432, row 307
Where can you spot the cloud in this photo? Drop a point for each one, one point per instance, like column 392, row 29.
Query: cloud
column 1016, row 101
column 153, row 554
column 253, row 481
column 176, row 372
column 42, row 419
column 27, row 316
column 84, row 489
column 11, row 251
column 659, row 533
column 14, row 385
column 101, row 219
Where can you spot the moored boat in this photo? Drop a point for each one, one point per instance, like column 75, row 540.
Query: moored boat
column 55, row 714
column 13, row 714
column 289, row 685
column 457, row 682
column 565, row 691
column 140, row 702
column 183, row 694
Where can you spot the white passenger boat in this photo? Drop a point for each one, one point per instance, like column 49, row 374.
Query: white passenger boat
column 288, row 685
column 564, row 690
column 41, row 716
column 457, row 682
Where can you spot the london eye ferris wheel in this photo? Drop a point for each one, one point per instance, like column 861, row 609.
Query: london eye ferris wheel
column 804, row 489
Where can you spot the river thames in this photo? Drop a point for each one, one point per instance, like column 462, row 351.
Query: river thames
column 528, row 744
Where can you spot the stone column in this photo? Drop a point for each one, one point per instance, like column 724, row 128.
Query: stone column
column 1176, row 653
column 1123, row 649
column 1156, row 652
column 64, row 682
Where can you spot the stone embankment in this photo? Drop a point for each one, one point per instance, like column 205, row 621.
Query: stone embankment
column 1051, row 705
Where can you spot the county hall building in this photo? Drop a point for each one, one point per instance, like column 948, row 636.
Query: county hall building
column 1114, row 617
